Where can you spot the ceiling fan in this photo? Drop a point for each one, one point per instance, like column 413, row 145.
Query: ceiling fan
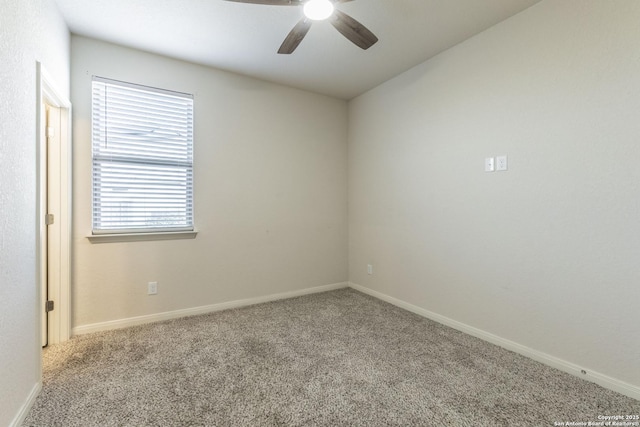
column 319, row 10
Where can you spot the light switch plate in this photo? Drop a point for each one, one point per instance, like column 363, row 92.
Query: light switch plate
column 489, row 164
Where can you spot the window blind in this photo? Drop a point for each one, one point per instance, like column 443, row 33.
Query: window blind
column 142, row 144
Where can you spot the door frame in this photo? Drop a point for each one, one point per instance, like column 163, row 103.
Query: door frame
column 60, row 317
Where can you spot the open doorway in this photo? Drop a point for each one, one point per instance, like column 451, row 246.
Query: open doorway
column 53, row 245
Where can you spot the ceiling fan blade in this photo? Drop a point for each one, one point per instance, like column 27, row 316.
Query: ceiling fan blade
column 296, row 35
column 353, row 30
column 271, row 2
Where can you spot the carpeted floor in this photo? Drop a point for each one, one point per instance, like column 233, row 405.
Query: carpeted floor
column 339, row 358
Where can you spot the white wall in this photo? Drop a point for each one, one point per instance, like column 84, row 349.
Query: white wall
column 270, row 193
column 546, row 254
column 30, row 31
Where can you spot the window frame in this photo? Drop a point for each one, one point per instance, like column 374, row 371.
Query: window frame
column 99, row 160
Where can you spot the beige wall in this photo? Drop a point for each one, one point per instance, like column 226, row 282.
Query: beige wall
column 270, row 193
column 545, row 254
column 30, row 31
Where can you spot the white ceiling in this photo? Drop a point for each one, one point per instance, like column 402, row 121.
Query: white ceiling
column 244, row 38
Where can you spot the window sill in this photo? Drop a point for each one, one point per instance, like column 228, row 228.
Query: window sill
column 142, row 237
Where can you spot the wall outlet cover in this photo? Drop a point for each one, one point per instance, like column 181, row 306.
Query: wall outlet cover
column 501, row 163
column 152, row 288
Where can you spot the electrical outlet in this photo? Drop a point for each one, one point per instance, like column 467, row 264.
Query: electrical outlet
column 501, row 163
column 369, row 269
column 152, row 288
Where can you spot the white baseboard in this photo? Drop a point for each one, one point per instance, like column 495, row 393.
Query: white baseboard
column 26, row 406
column 140, row 320
column 571, row 368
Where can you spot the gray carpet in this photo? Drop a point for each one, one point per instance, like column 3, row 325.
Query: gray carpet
column 339, row 358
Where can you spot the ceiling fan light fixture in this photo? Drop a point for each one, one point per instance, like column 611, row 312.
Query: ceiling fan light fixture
column 318, row 10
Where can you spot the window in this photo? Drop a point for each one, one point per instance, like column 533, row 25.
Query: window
column 142, row 140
